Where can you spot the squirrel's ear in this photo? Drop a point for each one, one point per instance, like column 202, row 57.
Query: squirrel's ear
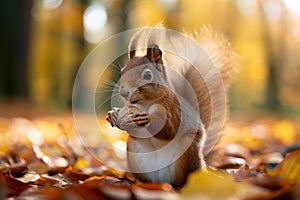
column 131, row 54
column 154, row 54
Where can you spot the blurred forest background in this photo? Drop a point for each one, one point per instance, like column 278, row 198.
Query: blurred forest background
column 44, row 42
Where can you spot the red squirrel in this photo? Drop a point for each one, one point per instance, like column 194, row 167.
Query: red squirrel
column 168, row 102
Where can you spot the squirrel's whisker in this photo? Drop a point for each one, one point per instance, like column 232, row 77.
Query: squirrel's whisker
column 106, row 100
column 111, row 90
column 116, row 68
column 109, row 82
column 119, row 65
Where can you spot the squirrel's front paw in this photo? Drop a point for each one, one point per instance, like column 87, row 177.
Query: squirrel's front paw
column 112, row 115
column 139, row 118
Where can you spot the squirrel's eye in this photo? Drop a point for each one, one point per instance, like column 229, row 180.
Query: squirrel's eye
column 147, row 75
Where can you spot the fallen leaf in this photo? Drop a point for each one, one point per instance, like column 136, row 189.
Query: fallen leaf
column 289, row 168
column 29, row 177
column 157, row 186
column 14, row 186
column 56, row 164
column 210, row 184
column 75, row 176
column 162, row 191
column 231, row 157
column 284, row 132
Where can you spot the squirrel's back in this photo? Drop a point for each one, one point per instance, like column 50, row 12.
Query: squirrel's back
column 207, row 62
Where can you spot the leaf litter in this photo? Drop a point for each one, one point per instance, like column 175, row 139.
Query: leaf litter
column 42, row 158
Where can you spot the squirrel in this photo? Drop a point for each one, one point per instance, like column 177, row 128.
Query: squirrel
column 168, row 102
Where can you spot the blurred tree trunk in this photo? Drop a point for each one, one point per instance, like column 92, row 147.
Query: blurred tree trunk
column 57, row 50
column 15, row 23
column 120, row 19
column 274, row 55
column 124, row 15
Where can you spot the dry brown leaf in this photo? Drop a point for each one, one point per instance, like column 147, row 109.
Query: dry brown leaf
column 75, row 176
column 13, row 186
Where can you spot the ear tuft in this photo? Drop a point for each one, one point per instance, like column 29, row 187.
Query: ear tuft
column 154, row 54
column 131, row 54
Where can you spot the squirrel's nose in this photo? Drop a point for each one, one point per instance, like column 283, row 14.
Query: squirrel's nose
column 123, row 92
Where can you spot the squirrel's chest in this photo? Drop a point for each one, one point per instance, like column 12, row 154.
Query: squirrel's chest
column 148, row 155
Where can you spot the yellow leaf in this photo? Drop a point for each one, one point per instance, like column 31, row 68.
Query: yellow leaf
column 289, row 168
column 217, row 185
column 81, row 163
column 284, row 131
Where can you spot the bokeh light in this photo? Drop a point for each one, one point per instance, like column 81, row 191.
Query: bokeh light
column 246, row 7
column 293, row 7
column 273, row 9
column 94, row 20
column 52, row 4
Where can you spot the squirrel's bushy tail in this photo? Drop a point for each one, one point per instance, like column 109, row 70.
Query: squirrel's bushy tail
column 207, row 88
column 219, row 50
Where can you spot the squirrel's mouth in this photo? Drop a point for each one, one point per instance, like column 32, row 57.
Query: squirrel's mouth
column 135, row 101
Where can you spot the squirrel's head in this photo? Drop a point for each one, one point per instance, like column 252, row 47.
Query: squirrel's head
column 143, row 76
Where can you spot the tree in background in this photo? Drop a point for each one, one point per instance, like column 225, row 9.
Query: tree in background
column 275, row 49
column 15, row 21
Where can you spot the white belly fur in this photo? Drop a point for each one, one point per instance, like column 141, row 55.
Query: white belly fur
column 148, row 163
column 161, row 164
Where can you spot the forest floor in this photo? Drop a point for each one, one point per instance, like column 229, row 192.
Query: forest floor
column 41, row 157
